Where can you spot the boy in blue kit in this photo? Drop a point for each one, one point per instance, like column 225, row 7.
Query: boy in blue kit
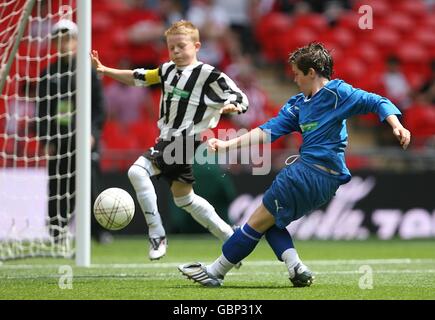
column 319, row 113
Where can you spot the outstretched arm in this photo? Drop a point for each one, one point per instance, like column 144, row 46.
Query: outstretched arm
column 224, row 94
column 231, row 108
column 124, row 76
column 253, row 137
column 402, row 134
column 362, row 102
column 285, row 122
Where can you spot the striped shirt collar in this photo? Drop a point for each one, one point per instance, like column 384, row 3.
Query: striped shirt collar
column 189, row 67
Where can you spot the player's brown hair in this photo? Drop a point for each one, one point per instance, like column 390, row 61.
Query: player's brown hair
column 313, row 55
column 183, row 27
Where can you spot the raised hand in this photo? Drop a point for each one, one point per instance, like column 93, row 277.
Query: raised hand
column 96, row 62
column 216, row 144
column 403, row 135
column 229, row 108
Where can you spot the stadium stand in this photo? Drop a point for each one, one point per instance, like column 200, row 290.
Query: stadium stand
column 404, row 28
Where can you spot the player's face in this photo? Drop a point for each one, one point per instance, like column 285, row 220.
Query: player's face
column 304, row 82
column 66, row 45
column 182, row 49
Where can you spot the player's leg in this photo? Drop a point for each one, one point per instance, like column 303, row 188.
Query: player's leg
column 235, row 249
column 243, row 241
column 281, row 242
column 61, row 190
column 200, row 210
column 297, row 190
column 139, row 174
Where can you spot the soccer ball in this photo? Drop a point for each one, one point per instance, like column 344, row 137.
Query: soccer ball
column 114, row 208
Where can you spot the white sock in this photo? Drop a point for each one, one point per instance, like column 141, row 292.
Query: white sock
column 147, row 198
column 220, row 267
column 204, row 213
column 291, row 259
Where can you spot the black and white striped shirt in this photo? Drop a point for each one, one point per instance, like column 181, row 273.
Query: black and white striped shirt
column 191, row 96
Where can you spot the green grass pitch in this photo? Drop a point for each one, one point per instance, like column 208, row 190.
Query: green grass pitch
column 400, row 270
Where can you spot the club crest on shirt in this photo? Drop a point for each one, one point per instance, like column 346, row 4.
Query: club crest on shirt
column 177, row 92
column 308, row 126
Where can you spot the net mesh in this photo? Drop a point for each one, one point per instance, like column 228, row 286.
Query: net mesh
column 37, row 131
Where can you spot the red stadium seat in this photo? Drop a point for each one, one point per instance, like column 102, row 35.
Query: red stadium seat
column 351, row 70
column 145, row 132
column 420, row 120
column 340, row 37
column 112, row 7
column 101, row 22
column 427, row 21
column 367, row 52
column 412, row 52
column 415, row 62
column 270, row 24
column 415, row 79
column 386, row 39
column 349, row 20
column 416, row 8
column 111, row 128
column 269, row 31
column 115, row 137
column 314, row 21
column 399, row 21
column 293, row 39
column 425, row 36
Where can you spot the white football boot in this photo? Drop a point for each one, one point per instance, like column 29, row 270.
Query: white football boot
column 157, row 248
column 198, row 273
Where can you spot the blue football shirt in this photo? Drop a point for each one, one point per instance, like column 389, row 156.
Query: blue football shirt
column 322, row 121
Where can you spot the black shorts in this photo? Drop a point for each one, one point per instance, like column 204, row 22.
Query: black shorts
column 174, row 158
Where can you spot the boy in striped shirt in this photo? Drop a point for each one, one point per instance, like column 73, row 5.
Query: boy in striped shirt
column 194, row 95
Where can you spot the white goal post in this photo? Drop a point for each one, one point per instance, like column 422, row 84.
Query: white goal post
column 45, row 130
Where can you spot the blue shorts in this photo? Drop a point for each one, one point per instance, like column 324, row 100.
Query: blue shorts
column 299, row 189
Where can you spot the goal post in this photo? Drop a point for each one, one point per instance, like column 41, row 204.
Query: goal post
column 45, row 121
column 83, row 235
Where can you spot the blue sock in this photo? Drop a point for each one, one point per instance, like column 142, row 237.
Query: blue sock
column 280, row 240
column 241, row 244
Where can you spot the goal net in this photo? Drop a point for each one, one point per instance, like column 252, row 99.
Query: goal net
column 37, row 130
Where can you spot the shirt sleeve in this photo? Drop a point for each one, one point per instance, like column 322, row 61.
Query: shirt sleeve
column 224, row 91
column 144, row 77
column 363, row 102
column 285, row 122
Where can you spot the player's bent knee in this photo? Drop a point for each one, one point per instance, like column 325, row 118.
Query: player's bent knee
column 184, row 201
column 261, row 220
column 137, row 173
column 180, row 189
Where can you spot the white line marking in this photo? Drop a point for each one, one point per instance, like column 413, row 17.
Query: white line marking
column 342, row 272
column 258, row 263
column 176, row 275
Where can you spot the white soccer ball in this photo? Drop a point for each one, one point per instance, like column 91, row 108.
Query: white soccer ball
column 114, row 208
